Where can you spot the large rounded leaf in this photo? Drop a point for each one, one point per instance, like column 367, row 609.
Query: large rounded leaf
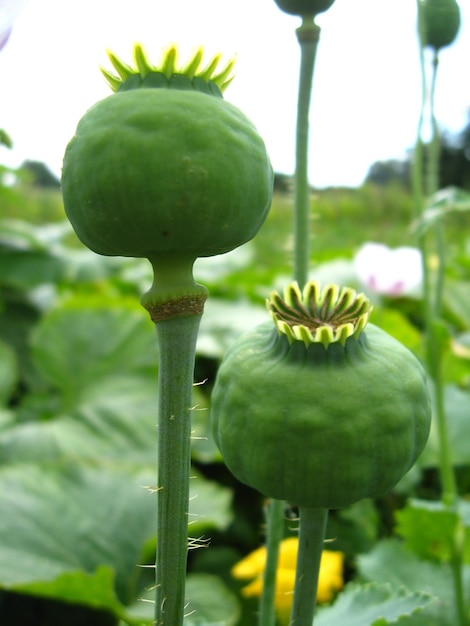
column 89, row 339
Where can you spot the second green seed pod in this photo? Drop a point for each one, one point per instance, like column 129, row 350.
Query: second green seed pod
column 323, row 411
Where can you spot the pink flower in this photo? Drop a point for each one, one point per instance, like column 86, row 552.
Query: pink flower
column 392, row 272
column 9, row 11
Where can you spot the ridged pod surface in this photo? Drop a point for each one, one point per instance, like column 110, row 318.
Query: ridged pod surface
column 165, row 166
column 323, row 421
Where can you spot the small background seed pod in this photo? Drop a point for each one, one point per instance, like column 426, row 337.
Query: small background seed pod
column 304, row 7
column 441, row 22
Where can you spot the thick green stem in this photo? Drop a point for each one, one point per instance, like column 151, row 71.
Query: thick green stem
column 175, row 303
column 311, row 538
column 308, row 35
column 275, row 533
column 176, row 349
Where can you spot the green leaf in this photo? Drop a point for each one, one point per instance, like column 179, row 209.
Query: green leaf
column 398, row 325
column 7, row 418
column 456, row 407
column 391, row 562
column 83, row 266
column 76, row 462
column 95, row 590
column 223, row 321
column 8, row 372
column 25, row 269
column 456, row 299
column 64, row 522
column 30, row 254
column 431, row 530
column 65, row 518
column 23, row 235
column 5, row 139
column 210, row 506
column 87, row 339
column 355, row 527
column 33, row 255
column 372, row 605
column 17, row 318
column 456, row 361
column 210, row 603
column 214, row 270
column 203, row 446
column 114, row 419
column 461, row 345
column 442, row 204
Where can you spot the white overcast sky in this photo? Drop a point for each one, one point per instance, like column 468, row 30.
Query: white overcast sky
column 366, row 87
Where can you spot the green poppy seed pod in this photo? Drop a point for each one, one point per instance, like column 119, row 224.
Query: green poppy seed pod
column 304, row 7
column 324, row 409
column 440, row 22
column 166, row 169
column 165, row 165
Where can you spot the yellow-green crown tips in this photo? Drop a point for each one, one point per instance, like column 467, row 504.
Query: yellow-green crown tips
column 213, row 78
column 316, row 315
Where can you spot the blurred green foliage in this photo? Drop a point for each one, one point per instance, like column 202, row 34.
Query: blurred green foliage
column 77, row 418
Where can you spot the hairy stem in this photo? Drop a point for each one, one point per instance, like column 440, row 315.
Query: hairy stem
column 176, row 353
column 175, row 303
column 275, row 533
column 311, row 538
column 307, row 35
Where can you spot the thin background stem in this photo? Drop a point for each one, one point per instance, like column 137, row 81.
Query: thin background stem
column 307, row 35
column 312, row 526
column 275, row 534
column 432, row 186
column 431, row 296
column 432, row 299
column 417, row 170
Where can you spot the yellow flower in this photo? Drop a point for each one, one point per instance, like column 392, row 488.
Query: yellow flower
column 252, row 567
